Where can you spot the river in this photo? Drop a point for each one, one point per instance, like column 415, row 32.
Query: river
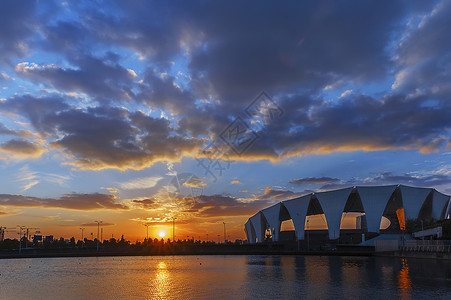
column 225, row 277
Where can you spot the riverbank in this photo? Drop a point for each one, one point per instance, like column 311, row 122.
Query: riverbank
column 43, row 253
column 55, row 254
column 230, row 249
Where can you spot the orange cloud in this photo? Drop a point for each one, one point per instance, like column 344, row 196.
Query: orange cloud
column 279, row 194
column 72, row 201
column 21, row 148
column 219, row 206
column 94, row 224
column 145, row 203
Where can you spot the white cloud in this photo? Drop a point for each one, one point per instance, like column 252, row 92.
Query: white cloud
column 55, row 178
column 140, row 183
column 401, row 77
column 27, row 177
column 4, row 76
column 346, row 93
column 132, row 73
column 30, row 178
column 25, row 67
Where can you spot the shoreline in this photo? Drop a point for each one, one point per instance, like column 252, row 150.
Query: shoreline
column 394, row 254
column 55, row 254
column 220, row 251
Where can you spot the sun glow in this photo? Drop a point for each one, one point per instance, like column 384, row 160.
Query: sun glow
column 162, row 234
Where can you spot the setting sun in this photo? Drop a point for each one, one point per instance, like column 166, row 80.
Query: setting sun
column 162, row 234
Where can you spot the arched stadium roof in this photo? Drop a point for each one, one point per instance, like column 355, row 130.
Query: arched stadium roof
column 372, row 201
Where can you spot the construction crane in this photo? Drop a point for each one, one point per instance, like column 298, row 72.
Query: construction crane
column 26, row 240
column 2, row 232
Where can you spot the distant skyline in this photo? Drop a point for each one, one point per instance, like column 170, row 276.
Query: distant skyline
column 136, row 112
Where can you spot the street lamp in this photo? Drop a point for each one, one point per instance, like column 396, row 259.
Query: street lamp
column 82, row 240
column 173, row 229
column 20, row 237
column 98, row 232
column 147, row 226
column 225, row 236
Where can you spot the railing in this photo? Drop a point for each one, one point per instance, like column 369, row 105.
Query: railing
column 426, row 246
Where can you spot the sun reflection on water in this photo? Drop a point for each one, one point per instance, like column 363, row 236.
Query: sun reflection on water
column 160, row 285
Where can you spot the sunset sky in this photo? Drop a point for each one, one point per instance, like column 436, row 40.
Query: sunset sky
column 134, row 112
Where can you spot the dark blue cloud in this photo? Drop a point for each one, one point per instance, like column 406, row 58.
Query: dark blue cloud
column 296, row 50
column 313, row 180
column 388, row 178
column 16, row 28
column 102, row 80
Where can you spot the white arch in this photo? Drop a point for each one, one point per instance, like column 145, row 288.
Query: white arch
column 374, row 200
column 297, row 208
column 448, row 210
column 272, row 215
column 259, row 226
column 412, row 200
column 333, row 204
column 439, row 204
column 249, row 234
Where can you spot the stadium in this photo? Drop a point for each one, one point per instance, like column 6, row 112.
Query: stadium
column 330, row 215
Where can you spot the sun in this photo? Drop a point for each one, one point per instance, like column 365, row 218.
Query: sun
column 162, row 234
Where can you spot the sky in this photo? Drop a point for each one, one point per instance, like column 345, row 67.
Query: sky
column 138, row 112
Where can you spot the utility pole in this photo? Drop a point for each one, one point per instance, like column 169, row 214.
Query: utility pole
column 82, row 240
column 225, row 236
column 2, row 232
column 3, row 229
column 98, row 229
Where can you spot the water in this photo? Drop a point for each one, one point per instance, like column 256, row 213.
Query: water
column 224, row 277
